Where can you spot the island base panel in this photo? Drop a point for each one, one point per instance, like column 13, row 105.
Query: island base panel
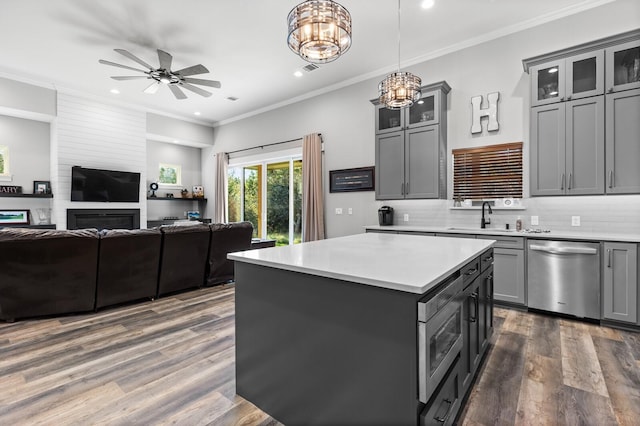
column 320, row 351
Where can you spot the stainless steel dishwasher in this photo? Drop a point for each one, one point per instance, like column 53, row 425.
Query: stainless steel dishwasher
column 564, row 277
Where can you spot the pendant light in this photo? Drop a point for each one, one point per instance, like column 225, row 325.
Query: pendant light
column 319, row 30
column 399, row 89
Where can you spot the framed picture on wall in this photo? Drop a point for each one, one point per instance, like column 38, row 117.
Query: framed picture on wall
column 169, row 174
column 14, row 217
column 347, row 180
column 4, row 162
column 41, row 187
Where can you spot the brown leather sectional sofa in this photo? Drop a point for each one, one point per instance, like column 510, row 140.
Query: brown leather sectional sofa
column 53, row 272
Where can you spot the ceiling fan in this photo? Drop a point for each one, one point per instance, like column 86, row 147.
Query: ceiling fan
column 163, row 75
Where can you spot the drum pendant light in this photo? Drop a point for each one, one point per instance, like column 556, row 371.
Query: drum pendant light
column 319, row 30
column 399, row 89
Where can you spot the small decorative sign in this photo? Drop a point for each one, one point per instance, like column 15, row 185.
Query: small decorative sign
column 359, row 179
column 10, row 189
column 41, row 187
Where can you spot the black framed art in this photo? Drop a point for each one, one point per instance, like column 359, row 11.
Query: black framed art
column 351, row 180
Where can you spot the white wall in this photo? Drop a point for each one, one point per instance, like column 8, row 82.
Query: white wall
column 346, row 117
column 92, row 134
column 189, row 160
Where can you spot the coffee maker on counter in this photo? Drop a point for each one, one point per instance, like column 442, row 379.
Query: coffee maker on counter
column 385, row 215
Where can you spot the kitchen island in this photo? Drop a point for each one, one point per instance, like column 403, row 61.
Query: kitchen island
column 327, row 331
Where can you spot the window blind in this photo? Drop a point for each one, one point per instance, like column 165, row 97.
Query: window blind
column 493, row 171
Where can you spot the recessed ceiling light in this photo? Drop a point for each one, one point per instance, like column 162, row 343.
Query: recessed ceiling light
column 428, row 4
column 197, row 113
column 298, row 73
column 114, row 91
column 176, row 141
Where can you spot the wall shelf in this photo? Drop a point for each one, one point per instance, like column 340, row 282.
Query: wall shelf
column 11, row 195
column 177, row 199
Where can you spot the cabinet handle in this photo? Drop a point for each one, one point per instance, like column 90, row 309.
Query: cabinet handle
column 402, row 188
column 490, row 292
column 562, row 99
column 610, row 178
column 471, row 272
column 406, row 187
column 562, row 182
column 608, row 258
column 570, row 180
column 488, row 259
column 474, row 317
column 610, row 90
column 447, row 414
column 568, row 98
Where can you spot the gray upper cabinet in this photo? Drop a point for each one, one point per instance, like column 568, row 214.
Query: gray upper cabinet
column 583, row 141
column 390, row 166
column 411, row 147
column 623, row 142
column 623, row 67
column 564, row 79
column 620, row 283
column 567, row 149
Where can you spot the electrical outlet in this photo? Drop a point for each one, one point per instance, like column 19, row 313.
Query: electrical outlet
column 575, row 220
column 406, row 217
column 338, row 210
column 534, row 220
column 350, row 210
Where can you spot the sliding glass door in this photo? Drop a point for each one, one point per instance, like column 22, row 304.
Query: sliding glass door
column 269, row 195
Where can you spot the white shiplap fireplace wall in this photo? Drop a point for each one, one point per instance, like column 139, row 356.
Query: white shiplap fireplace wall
column 94, row 134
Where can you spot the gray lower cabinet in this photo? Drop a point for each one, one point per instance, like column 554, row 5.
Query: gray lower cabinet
column 509, row 283
column 620, row 282
column 567, row 148
column 623, row 149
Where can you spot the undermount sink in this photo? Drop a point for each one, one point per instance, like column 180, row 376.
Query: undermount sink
column 471, row 229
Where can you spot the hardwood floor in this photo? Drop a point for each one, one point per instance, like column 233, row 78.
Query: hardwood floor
column 171, row 361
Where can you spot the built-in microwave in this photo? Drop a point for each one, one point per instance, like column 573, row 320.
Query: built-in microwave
column 439, row 335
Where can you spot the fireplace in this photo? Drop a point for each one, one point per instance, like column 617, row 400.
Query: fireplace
column 103, row 218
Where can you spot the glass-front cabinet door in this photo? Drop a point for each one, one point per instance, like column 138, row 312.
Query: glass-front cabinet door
column 425, row 111
column 388, row 120
column 547, row 83
column 623, row 67
column 584, row 75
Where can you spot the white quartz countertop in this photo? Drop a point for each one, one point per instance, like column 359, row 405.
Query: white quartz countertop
column 398, row 262
column 562, row 235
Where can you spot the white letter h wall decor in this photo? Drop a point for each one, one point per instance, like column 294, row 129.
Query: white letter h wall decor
column 491, row 112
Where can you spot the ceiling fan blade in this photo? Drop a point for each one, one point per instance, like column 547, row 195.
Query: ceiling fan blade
column 211, row 83
column 113, row 64
column 195, row 89
column 165, row 60
column 130, row 77
column 193, row 70
column 179, row 94
column 153, row 88
column 133, row 58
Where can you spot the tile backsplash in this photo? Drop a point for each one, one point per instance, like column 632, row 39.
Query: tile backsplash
column 614, row 213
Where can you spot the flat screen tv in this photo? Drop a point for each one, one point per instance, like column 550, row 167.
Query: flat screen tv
column 104, row 185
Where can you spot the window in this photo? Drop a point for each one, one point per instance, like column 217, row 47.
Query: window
column 493, row 171
column 269, row 195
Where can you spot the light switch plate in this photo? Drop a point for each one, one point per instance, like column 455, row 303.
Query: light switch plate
column 350, row 210
column 338, row 210
column 406, row 217
column 534, row 220
column 575, row 220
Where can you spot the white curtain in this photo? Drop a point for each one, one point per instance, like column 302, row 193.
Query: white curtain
column 312, row 192
column 220, row 212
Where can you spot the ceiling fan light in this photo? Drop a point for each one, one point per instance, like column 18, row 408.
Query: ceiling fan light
column 319, row 30
column 165, row 80
column 399, row 90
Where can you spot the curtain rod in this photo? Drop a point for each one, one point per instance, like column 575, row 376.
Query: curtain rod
column 268, row 144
